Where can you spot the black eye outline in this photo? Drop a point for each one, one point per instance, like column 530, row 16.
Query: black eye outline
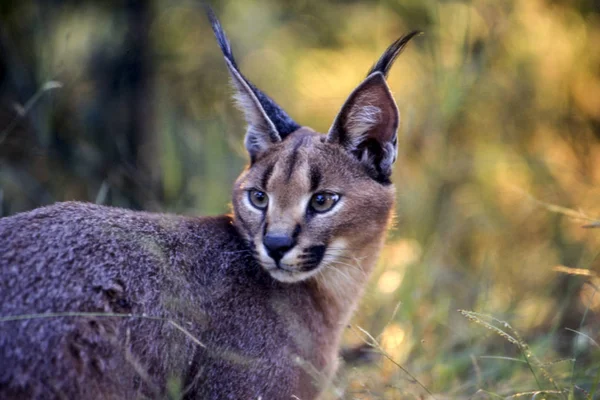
column 252, row 193
column 331, row 199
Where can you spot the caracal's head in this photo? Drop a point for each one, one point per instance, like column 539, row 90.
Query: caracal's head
column 310, row 201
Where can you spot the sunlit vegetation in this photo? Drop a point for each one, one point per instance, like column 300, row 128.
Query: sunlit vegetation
column 498, row 174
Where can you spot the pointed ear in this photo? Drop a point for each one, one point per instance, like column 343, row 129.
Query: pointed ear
column 366, row 126
column 267, row 122
column 261, row 132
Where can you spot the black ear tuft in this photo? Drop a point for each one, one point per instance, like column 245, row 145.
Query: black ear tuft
column 387, row 59
column 282, row 122
column 220, row 35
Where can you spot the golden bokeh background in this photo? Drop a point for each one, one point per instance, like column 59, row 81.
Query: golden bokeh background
column 127, row 103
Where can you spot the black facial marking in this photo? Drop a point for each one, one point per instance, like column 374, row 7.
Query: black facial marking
column 297, row 231
column 309, row 214
column 315, row 178
column 266, row 176
column 293, row 159
column 290, row 170
column 265, row 226
column 244, row 224
column 317, row 251
column 313, row 257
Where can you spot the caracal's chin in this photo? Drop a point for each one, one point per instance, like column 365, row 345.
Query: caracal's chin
column 289, row 275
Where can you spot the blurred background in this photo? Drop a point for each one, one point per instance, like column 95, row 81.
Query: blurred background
column 127, row 103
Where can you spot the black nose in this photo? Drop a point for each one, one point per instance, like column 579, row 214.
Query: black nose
column 278, row 245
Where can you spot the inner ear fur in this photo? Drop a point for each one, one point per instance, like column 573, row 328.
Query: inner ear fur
column 261, row 132
column 267, row 122
column 367, row 126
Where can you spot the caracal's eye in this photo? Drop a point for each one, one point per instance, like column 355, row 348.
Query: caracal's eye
column 258, row 198
column 323, row 201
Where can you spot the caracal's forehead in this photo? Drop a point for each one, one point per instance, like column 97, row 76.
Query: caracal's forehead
column 304, row 163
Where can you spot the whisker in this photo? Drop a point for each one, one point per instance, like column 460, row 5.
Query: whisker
column 345, row 275
column 344, row 248
column 347, row 257
column 311, row 259
column 354, row 267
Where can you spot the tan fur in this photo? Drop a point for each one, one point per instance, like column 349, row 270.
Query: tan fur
column 353, row 230
column 263, row 296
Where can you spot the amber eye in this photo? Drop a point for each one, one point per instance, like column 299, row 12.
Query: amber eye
column 324, row 201
column 258, row 199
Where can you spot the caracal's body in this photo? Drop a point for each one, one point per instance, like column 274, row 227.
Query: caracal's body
column 103, row 303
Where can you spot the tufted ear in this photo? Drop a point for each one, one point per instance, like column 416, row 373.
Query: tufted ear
column 366, row 126
column 367, row 123
column 261, row 132
column 267, row 122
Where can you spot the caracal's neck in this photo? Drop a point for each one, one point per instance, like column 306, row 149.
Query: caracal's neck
column 340, row 285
